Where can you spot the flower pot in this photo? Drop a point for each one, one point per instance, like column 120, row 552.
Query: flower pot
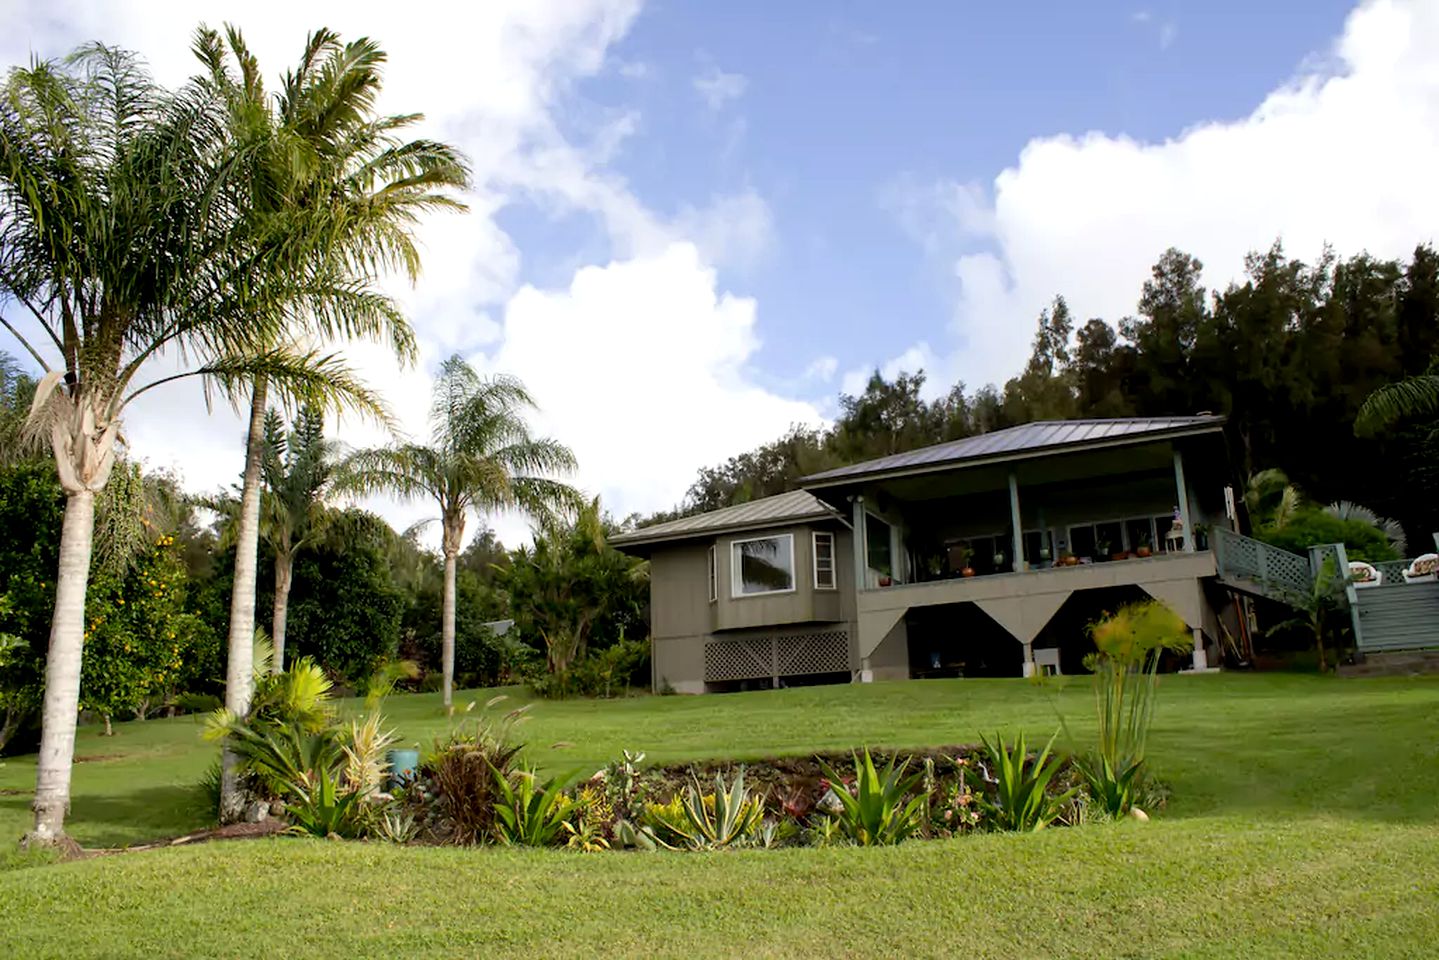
column 1142, row 552
column 1121, row 555
column 967, row 572
column 404, row 764
column 885, row 581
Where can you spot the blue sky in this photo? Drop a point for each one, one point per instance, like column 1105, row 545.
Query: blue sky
column 835, row 104
column 694, row 224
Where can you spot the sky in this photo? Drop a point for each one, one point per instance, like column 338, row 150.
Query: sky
column 693, row 225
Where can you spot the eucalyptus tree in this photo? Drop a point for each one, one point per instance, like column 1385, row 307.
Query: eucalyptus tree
column 296, row 467
column 120, row 245
column 482, row 457
column 338, row 182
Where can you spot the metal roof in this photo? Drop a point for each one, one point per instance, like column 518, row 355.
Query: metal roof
column 1023, row 441
column 769, row 511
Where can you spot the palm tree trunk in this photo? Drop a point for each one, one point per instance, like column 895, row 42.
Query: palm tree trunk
column 62, row 670
column 240, row 665
column 447, row 628
column 284, row 567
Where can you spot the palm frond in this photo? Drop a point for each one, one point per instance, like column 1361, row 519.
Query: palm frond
column 1385, row 407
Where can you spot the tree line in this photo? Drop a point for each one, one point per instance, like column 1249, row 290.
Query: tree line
column 1290, row 353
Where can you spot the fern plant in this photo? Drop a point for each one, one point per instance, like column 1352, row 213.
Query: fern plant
column 1022, row 801
column 875, row 812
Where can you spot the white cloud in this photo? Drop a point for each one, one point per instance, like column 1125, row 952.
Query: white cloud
column 640, row 367
column 495, row 81
column 822, row 368
column 718, row 88
column 1342, row 154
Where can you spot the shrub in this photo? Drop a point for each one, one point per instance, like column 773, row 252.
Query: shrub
column 1311, row 525
column 458, row 774
column 1022, row 801
column 527, row 812
column 876, row 812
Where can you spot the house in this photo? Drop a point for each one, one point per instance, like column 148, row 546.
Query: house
column 984, row 556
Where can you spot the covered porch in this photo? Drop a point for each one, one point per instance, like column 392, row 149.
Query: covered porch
column 1017, row 532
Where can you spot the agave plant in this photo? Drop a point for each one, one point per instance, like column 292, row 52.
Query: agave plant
column 729, row 816
column 527, row 812
column 1022, row 800
column 875, row 812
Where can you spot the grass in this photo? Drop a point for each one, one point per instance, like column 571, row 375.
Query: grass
column 1304, row 822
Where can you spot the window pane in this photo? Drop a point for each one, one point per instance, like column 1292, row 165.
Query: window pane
column 1036, row 541
column 824, row 560
column 764, row 566
column 1081, row 541
column 1107, row 538
column 877, row 533
column 1162, row 526
column 1137, row 532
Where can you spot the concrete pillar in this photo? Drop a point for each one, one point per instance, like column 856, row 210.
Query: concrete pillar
column 1018, row 546
column 1182, row 492
column 1201, row 659
column 861, row 553
column 1029, row 658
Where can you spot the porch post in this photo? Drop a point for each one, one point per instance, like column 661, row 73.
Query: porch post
column 1201, row 659
column 1183, row 494
column 1018, row 544
column 898, row 568
column 861, row 557
column 861, row 576
column 1029, row 658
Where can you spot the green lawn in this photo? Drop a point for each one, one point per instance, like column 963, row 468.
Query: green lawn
column 1305, row 822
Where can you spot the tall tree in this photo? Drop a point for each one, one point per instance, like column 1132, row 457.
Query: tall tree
column 296, row 468
column 482, row 457
column 332, row 192
column 120, row 238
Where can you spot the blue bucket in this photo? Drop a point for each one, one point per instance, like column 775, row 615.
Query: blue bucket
column 404, row 764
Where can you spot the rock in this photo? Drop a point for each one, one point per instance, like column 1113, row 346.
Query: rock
column 256, row 811
column 1137, row 814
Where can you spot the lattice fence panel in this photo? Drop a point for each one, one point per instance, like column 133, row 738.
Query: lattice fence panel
column 742, row 659
column 783, row 655
column 823, row 652
column 1275, row 570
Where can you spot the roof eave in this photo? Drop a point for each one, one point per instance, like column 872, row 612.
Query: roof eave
column 822, row 483
column 637, row 539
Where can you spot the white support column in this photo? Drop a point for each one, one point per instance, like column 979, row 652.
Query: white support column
column 1018, row 545
column 1201, row 659
column 897, row 566
column 1029, row 658
column 1182, row 492
column 861, row 554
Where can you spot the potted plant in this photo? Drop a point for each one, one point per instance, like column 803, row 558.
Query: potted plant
column 1101, row 550
column 999, row 560
column 963, row 552
column 1143, row 550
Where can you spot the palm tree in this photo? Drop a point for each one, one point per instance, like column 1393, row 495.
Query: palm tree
column 296, row 468
column 335, row 179
column 119, row 241
column 481, row 456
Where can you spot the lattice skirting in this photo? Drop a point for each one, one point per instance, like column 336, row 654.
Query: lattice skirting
column 778, row 655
